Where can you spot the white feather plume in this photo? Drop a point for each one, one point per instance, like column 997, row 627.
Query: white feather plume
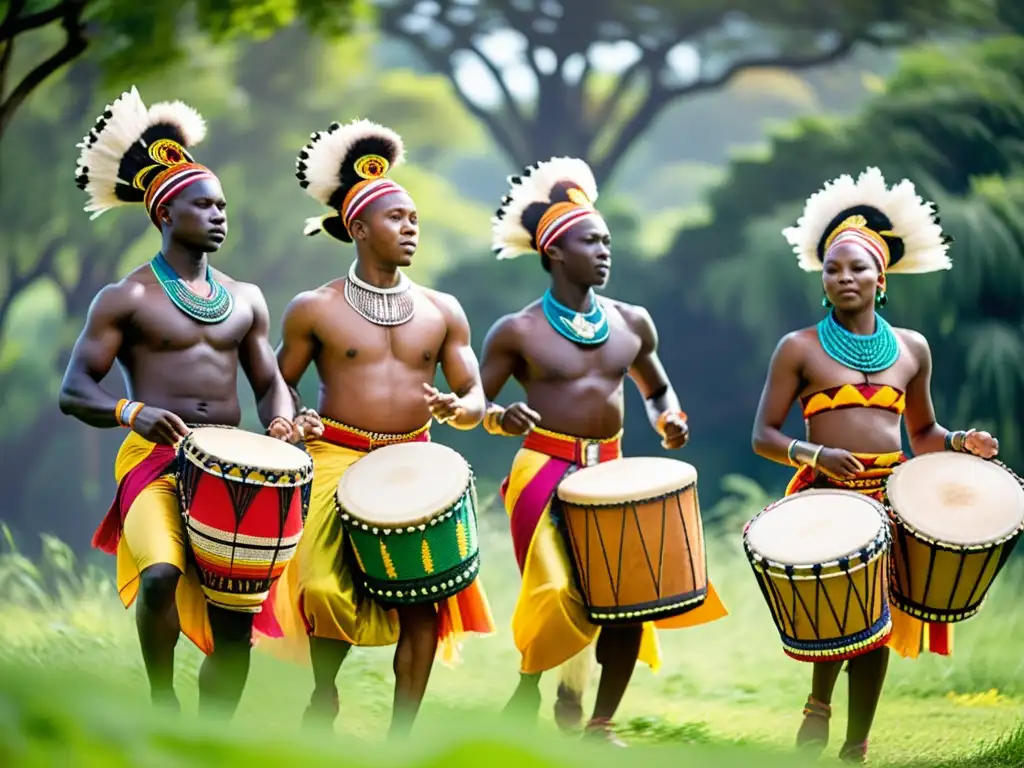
column 116, row 131
column 509, row 237
column 327, row 150
column 925, row 246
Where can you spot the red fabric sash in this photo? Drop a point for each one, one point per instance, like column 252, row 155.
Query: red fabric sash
column 158, row 463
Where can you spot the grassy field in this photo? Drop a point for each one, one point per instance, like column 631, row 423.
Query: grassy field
column 72, row 688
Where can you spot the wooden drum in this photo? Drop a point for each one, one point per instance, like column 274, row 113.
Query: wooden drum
column 244, row 498
column 636, row 537
column 820, row 558
column 410, row 513
column 957, row 519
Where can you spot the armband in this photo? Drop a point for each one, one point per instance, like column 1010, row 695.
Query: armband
column 126, row 411
column 492, row 421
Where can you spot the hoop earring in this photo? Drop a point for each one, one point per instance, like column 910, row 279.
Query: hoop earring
column 881, row 299
column 825, row 302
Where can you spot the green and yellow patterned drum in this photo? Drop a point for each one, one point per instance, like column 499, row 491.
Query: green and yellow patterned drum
column 410, row 513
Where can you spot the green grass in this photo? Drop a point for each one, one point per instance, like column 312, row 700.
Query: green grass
column 72, row 683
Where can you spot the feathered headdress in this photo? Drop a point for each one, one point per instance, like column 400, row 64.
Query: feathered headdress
column 345, row 168
column 898, row 228
column 545, row 200
column 139, row 155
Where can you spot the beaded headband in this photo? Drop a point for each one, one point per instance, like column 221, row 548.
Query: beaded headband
column 345, row 168
column 545, row 201
column 893, row 224
column 135, row 154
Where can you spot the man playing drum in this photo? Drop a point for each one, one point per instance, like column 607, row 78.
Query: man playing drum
column 571, row 352
column 376, row 340
column 855, row 376
column 179, row 330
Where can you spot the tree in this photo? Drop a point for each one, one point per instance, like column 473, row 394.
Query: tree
column 588, row 77
column 133, row 36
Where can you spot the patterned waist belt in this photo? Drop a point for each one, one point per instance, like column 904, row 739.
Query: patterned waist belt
column 345, row 436
column 582, row 451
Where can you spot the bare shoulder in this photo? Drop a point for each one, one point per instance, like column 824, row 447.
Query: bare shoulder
column 509, row 330
column 795, row 346
column 446, row 304
column 915, row 342
column 309, row 304
column 120, row 299
column 636, row 317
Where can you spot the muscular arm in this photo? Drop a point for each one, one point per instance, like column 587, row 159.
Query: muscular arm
column 780, row 391
column 500, row 355
column 647, row 371
column 298, row 341
column 926, row 435
column 257, row 359
column 459, row 365
column 93, row 356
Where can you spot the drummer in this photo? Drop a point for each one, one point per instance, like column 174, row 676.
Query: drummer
column 377, row 340
column 571, row 351
column 855, row 377
column 179, row 329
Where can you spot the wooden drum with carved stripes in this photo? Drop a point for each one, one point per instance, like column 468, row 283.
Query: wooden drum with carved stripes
column 410, row 513
column 636, row 538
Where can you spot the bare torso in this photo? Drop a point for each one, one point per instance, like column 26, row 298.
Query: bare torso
column 860, row 430
column 371, row 377
column 575, row 390
column 174, row 362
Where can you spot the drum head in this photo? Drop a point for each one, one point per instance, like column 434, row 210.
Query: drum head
column 625, row 480
column 956, row 498
column 405, row 484
column 237, row 446
column 816, row 527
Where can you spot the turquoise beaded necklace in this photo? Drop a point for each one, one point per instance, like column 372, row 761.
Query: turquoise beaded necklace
column 587, row 328
column 867, row 354
column 211, row 309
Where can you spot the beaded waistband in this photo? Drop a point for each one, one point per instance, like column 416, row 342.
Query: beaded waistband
column 363, row 440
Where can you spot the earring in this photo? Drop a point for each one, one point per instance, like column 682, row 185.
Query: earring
column 825, row 302
column 881, row 299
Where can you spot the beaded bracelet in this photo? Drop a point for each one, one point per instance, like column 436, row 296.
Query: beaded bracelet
column 956, row 440
column 126, row 412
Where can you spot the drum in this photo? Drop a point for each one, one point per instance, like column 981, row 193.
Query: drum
column 820, row 558
column 634, row 530
column 956, row 518
column 244, row 498
column 410, row 513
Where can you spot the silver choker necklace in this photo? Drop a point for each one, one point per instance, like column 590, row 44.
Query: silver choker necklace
column 381, row 306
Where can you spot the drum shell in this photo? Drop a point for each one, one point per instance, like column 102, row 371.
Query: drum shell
column 420, row 563
column 938, row 582
column 638, row 561
column 833, row 610
column 242, row 532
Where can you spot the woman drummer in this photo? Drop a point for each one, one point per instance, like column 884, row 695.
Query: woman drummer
column 856, row 376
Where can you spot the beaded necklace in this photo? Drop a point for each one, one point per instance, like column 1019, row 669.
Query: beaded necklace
column 867, row 354
column 381, row 306
column 587, row 328
column 211, row 309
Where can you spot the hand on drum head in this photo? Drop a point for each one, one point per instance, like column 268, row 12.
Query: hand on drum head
column 835, row 462
column 519, row 418
column 981, row 444
column 677, row 432
column 443, row 406
column 159, row 426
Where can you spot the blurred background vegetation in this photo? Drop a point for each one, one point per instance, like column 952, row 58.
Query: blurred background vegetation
column 707, row 124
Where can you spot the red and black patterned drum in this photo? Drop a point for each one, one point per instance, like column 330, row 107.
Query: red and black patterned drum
column 244, row 498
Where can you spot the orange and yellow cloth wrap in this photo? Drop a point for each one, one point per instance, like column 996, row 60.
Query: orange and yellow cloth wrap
column 144, row 527
column 550, row 623
column 317, row 595
column 910, row 636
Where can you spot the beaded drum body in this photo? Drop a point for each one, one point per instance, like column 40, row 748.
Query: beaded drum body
column 410, row 511
column 244, row 498
column 820, row 559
